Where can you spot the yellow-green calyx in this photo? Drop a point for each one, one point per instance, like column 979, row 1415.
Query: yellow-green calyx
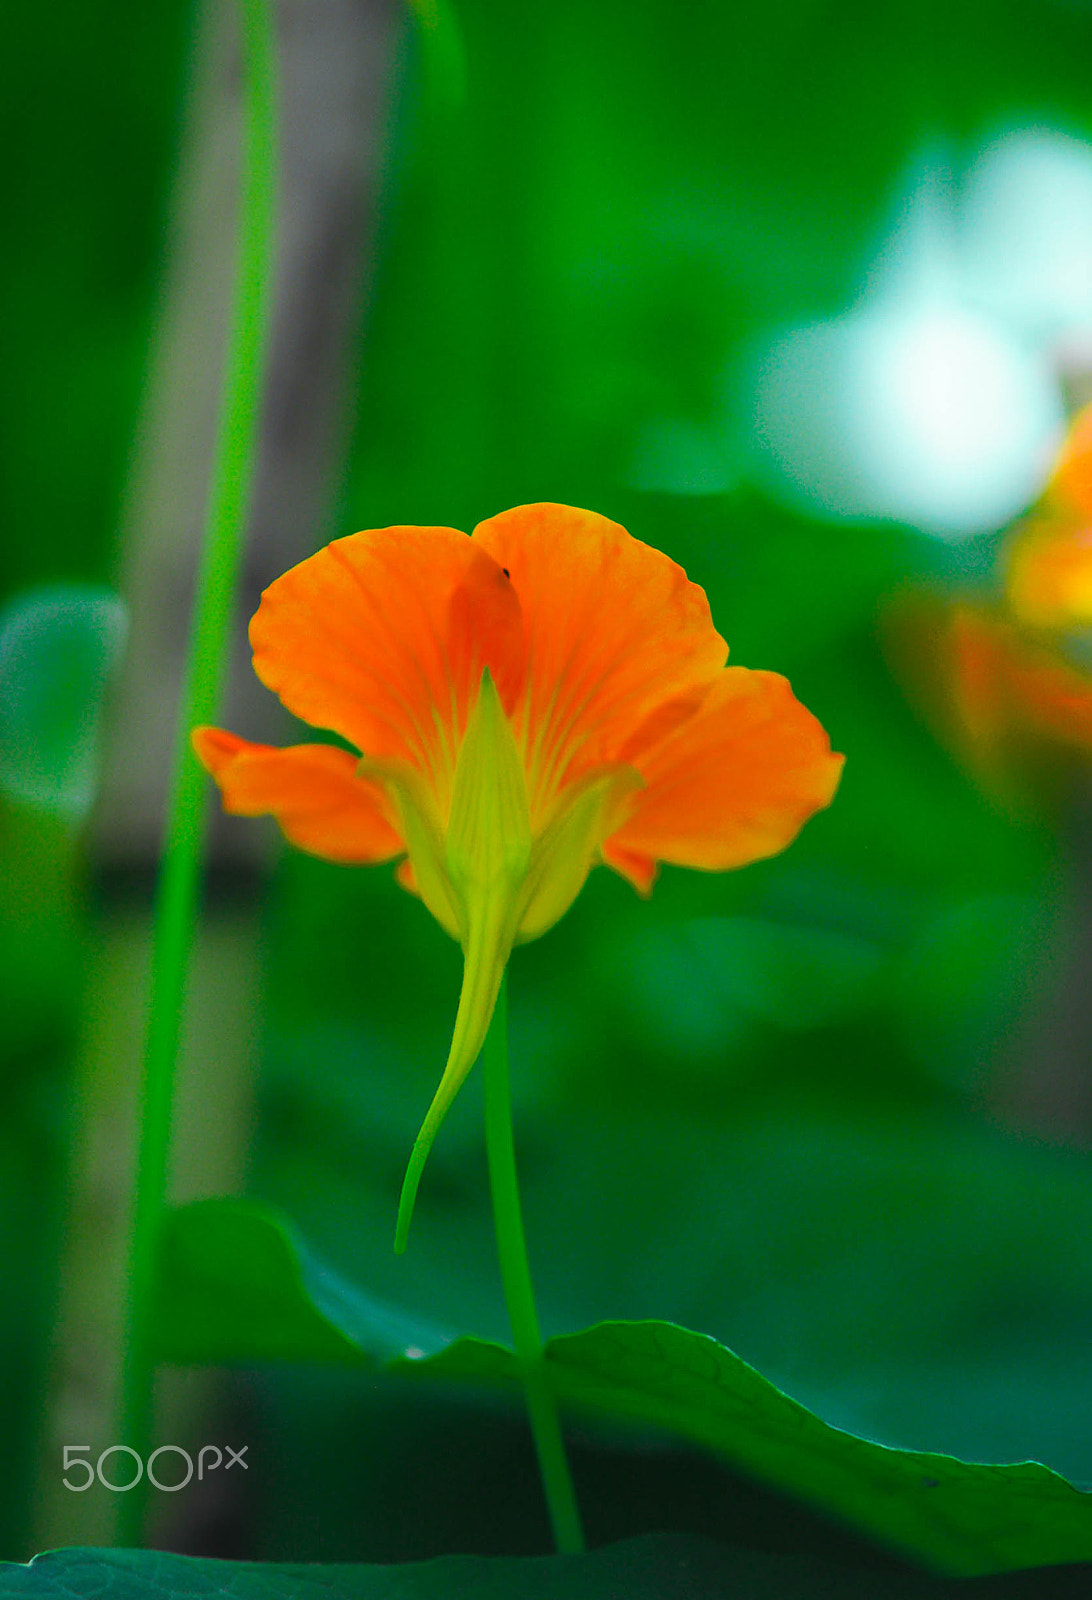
column 489, row 879
column 476, row 875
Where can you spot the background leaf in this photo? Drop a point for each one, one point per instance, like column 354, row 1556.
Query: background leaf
column 955, row 1516
column 59, row 648
column 237, row 1284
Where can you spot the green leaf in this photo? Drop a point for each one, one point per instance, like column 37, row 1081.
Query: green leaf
column 236, row 1283
column 907, row 1275
column 960, row 1517
column 238, row 1286
column 652, row 1567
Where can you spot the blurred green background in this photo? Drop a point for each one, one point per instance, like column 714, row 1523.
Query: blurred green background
column 833, row 1109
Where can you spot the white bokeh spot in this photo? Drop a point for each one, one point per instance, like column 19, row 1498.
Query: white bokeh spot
column 937, row 399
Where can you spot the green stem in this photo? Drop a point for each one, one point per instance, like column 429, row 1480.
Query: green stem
column 225, row 525
column 516, row 1278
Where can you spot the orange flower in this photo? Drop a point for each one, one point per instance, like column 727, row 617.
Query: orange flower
column 1013, row 695
column 1069, row 488
column 1005, row 701
column 1049, row 576
column 1002, row 684
column 543, row 694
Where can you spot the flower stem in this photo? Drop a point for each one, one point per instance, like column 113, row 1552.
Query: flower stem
column 176, row 902
column 516, row 1278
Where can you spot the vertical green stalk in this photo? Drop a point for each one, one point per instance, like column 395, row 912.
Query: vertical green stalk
column 518, row 1295
column 230, row 487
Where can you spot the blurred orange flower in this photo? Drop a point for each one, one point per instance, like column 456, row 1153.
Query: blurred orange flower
column 1004, row 680
column 1049, row 568
column 543, row 694
column 1012, row 690
column 1050, row 574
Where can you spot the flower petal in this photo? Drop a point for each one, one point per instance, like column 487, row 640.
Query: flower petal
column 640, row 870
column 1070, row 487
column 383, row 637
column 615, row 632
column 735, row 783
column 1006, row 686
column 313, row 790
column 1050, row 574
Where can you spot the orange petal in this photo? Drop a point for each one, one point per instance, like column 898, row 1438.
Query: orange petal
column 383, row 637
column 1049, row 577
column 313, row 790
column 1004, row 684
column 733, row 784
column 1070, row 488
column 406, row 876
column 1054, row 699
column 640, row 869
column 978, row 650
column 616, row 633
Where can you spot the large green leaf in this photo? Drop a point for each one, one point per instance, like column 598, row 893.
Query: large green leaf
column 911, row 1278
column 958, row 1516
column 238, row 1284
column 654, row 1567
column 239, row 1287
